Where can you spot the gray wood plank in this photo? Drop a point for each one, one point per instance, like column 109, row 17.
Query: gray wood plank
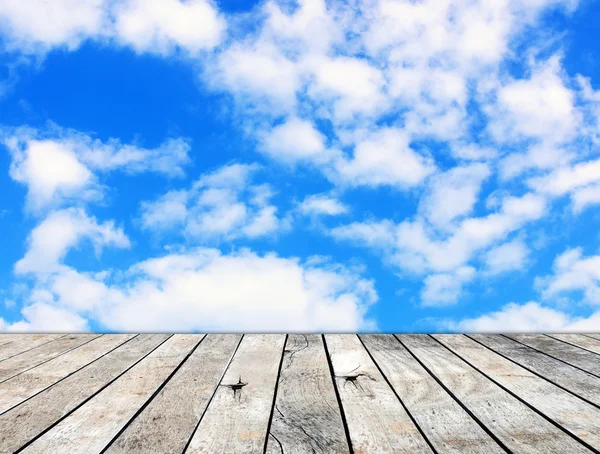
column 30, row 418
column 579, row 340
column 307, row 415
column 593, row 336
column 34, row 357
column 92, row 426
column 560, row 350
column 518, row 427
column 575, row 380
column 29, row 383
column 576, row 416
column 445, row 423
column 167, row 423
column 237, row 417
column 377, row 421
column 19, row 343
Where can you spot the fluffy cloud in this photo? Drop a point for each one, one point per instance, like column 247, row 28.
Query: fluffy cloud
column 322, row 204
column 573, row 273
column 206, row 290
column 62, row 230
column 445, row 288
column 220, row 205
column 60, row 164
column 36, row 26
column 508, row 256
column 529, row 317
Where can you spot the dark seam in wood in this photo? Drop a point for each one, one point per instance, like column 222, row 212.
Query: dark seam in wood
column 412, row 418
column 278, row 442
column 29, row 349
column 287, row 336
column 551, row 356
column 67, row 376
column 569, row 343
column 337, row 396
column 89, row 397
column 456, row 399
column 154, row 394
column 516, row 396
column 54, row 357
column 535, row 373
column 589, row 337
column 212, row 395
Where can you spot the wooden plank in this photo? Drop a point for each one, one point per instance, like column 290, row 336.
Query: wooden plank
column 575, row 380
column 29, row 383
column 167, row 423
column 92, row 426
column 579, row 340
column 32, row 417
column 307, row 415
column 19, row 343
column 568, row 353
column 237, row 418
column 593, row 336
column 518, row 427
column 376, row 419
column 579, row 418
column 34, row 357
column 445, row 423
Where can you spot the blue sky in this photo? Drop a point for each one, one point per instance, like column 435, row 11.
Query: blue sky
column 315, row 166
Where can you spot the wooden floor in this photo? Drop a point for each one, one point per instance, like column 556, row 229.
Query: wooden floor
column 271, row 393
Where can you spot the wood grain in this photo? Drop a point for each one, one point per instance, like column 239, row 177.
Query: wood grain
column 91, row 427
column 576, row 416
column 237, row 417
column 31, row 418
column 377, row 421
column 568, row 353
column 168, row 422
column 36, row 356
column 518, row 427
column 579, row 340
column 307, row 415
column 29, row 383
column 14, row 344
column 445, row 423
column 581, row 383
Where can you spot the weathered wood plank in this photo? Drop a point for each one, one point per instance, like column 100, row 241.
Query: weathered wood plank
column 307, row 415
column 34, row 357
column 576, row 416
column 29, row 383
column 577, row 381
column 167, row 423
column 445, row 423
column 568, row 353
column 377, row 421
column 518, row 427
column 580, row 341
column 237, row 417
column 593, row 336
column 32, row 417
column 92, row 426
column 18, row 343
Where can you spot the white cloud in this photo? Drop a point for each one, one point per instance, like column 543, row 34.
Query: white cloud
column 159, row 26
column 295, row 140
column 529, row 317
column 453, row 194
column 573, row 273
column 37, row 25
column 506, row 257
column 62, row 230
column 445, row 288
column 45, row 318
column 385, row 158
column 204, row 289
column 322, row 204
column 567, row 179
column 220, row 205
column 59, row 164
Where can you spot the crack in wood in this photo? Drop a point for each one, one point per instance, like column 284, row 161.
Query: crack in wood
column 237, row 387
